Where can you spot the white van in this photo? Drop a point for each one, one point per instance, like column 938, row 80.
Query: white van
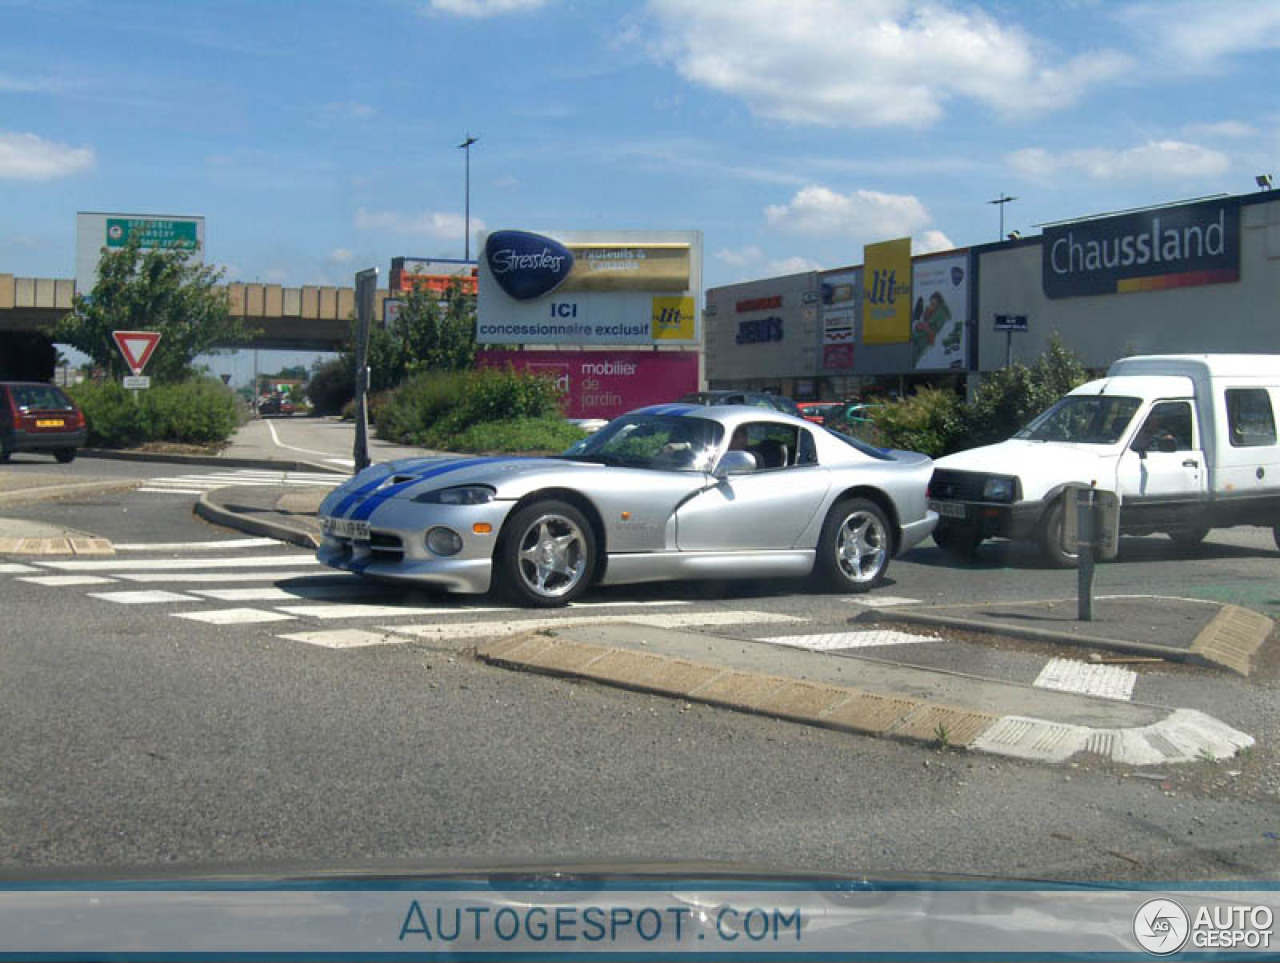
column 1188, row 442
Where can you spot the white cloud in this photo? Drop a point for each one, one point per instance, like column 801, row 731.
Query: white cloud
column 1198, row 36
column 876, row 63
column 751, row 262
column 341, row 255
column 483, row 8
column 1224, row 128
column 1171, row 160
column 931, row 242
column 26, row 157
column 868, row 215
column 440, row 225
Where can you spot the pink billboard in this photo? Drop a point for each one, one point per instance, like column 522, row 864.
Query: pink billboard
column 605, row 384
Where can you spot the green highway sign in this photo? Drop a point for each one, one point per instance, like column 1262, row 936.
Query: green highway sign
column 157, row 233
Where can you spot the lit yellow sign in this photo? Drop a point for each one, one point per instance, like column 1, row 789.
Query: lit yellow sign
column 673, row 319
column 886, row 292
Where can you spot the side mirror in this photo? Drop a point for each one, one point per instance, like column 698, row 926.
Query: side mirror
column 1140, row 448
column 735, row 463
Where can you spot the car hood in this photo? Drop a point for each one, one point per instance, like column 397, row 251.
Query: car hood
column 1018, row 457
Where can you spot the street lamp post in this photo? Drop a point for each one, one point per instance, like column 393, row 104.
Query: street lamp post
column 466, row 244
column 1000, row 202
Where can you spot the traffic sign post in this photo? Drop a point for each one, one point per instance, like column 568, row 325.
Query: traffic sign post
column 137, row 348
column 1009, row 323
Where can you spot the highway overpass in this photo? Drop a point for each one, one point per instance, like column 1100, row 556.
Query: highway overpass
column 308, row 318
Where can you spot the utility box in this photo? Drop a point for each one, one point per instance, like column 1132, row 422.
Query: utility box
column 1106, row 505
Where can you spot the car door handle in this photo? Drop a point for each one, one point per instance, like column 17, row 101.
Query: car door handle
column 1191, row 463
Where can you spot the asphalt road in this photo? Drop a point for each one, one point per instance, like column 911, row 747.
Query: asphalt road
column 138, row 736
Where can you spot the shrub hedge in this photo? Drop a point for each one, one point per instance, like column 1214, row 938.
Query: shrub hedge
column 191, row 412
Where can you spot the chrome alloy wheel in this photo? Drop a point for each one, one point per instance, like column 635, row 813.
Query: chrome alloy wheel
column 552, row 556
column 862, row 547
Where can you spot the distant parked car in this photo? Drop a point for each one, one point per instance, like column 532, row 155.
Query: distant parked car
column 758, row 399
column 817, row 411
column 856, row 420
column 35, row 416
column 275, row 405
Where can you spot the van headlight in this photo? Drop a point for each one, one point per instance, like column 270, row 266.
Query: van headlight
column 1000, row 488
column 461, row 495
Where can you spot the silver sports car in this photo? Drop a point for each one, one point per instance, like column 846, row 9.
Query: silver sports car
column 666, row 492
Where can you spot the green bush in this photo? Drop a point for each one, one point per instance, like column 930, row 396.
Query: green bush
column 528, row 435
column 331, row 386
column 436, row 409
column 930, row 421
column 189, row 412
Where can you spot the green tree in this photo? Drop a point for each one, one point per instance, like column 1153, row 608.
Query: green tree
column 156, row 290
column 437, row 334
column 1008, row 399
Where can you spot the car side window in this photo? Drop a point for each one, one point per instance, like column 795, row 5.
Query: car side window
column 806, row 449
column 774, row 445
column 1168, row 428
column 1250, row 420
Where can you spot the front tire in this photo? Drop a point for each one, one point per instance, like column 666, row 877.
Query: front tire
column 855, row 547
column 65, row 455
column 1050, row 539
column 957, row 541
column 547, row 555
column 1188, row 539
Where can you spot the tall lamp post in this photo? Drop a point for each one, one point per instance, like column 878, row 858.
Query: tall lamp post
column 1000, row 202
column 466, row 244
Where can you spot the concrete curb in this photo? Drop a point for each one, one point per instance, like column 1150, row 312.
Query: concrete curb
column 261, row 527
column 51, row 492
column 218, row 461
column 1185, row 735
column 1013, row 630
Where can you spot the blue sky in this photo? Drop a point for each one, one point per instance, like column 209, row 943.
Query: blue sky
column 318, row 138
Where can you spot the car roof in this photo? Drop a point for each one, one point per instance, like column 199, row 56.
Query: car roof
column 727, row 415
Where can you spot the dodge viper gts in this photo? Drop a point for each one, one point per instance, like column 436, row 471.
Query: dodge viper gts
column 671, row 491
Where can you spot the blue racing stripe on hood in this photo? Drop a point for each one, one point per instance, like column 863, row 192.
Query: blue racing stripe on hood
column 366, row 508
column 340, row 510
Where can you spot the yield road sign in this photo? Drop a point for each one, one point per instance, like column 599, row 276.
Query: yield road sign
column 137, row 347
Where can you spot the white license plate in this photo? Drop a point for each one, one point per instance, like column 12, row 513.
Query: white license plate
column 346, row 528
column 948, row 509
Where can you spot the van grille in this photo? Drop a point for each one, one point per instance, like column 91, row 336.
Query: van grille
column 956, row 486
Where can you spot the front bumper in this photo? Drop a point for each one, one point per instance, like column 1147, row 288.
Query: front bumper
column 396, row 548
column 916, row 532
column 1018, row 520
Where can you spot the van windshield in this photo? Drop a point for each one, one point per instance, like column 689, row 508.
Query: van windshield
column 1084, row 420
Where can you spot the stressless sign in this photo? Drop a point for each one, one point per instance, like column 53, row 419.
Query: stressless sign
column 1147, row 251
column 525, row 265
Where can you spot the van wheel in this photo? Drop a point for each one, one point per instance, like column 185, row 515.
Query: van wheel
column 1188, row 538
column 958, row 541
column 1050, row 539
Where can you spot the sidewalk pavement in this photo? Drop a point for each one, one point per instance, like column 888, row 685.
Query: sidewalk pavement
column 22, row 537
column 266, row 511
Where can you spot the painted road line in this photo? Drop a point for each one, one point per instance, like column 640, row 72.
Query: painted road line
column 832, row 641
column 14, row 568
column 144, row 597
column 267, row 593
column 1105, row 681
column 356, row 610
column 234, row 616
column 346, row 638
column 344, row 462
column 61, row 580
column 228, row 544
column 674, row 620
column 217, row 578
column 171, row 491
column 180, row 564
column 621, row 605
column 882, row 601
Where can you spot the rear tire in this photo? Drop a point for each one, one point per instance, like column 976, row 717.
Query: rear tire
column 1050, row 539
column 65, row 455
column 957, row 541
column 855, row 547
column 1188, row 539
column 546, row 556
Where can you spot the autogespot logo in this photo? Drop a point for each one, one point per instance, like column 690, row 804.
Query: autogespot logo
column 1161, row 926
column 525, row 265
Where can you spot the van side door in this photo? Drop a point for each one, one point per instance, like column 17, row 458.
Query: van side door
column 1162, row 474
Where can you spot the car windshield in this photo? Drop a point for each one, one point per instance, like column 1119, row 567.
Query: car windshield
column 40, row 397
column 1084, row 420
column 660, row 442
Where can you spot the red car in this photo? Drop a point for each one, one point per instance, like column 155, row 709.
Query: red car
column 817, row 411
column 35, row 416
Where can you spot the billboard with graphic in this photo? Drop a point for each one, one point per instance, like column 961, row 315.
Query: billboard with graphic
column 96, row 232
column 939, row 312
column 841, row 301
column 605, row 384
column 886, row 292
column 433, row 275
column 621, row 288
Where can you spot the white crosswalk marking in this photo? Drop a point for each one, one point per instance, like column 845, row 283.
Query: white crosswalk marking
column 13, row 568
column 197, row 483
column 234, row 616
column 850, row 640
column 222, row 578
column 56, row 580
column 181, row 564
column 141, row 598
column 226, row 544
column 675, row 620
column 1070, row 675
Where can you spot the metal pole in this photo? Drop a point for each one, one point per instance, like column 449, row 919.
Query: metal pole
column 1087, row 532
column 1008, row 348
column 466, row 243
column 254, row 402
column 1000, row 202
column 366, row 292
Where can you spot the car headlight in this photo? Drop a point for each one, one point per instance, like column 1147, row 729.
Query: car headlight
column 462, row 495
column 999, row 489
